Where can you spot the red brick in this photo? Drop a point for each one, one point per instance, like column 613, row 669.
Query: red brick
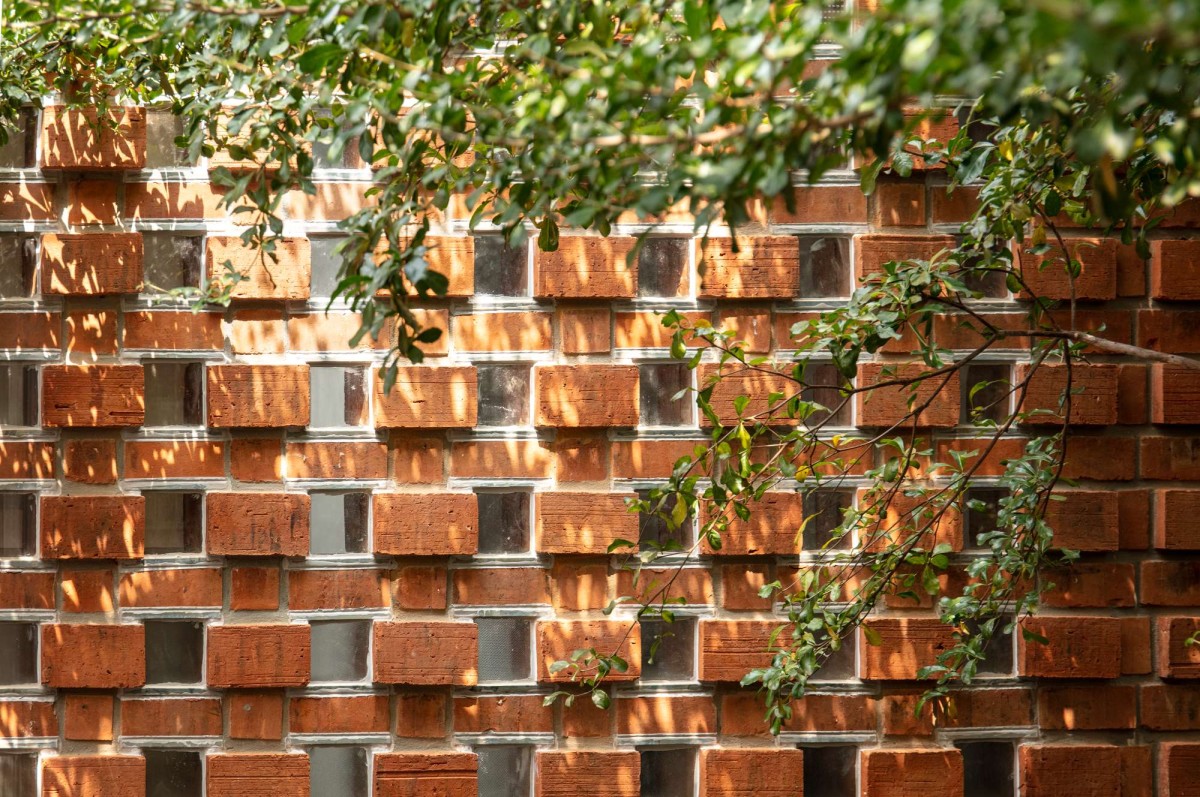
column 330, row 202
column 750, row 326
column 1170, row 458
column 87, row 591
column 91, row 202
column 255, row 715
column 76, row 138
column 1087, row 708
column 734, row 772
column 426, row 524
column 455, row 259
column 421, row 715
column 91, row 333
column 571, row 773
column 1174, row 395
column 93, row 656
column 1170, row 707
column 26, row 202
column 730, row 649
column 503, row 332
column 912, row 773
column 174, row 459
column 342, row 460
column 425, row 653
column 666, row 714
column 586, row 395
column 1136, row 644
column 33, row 590
column 91, row 264
column 648, row 459
column 332, row 332
column 582, row 457
column 190, row 200
column 256, row 460
column 586, row 267
column 772, row 528
column 1169, row 331
column 29, row 330
column 740, row 584
column 1177, row 520
column 645, row 330
column 935, row 399
column 974, row 707
column 760, row 267
column 94, row 776
column 1084, row 520
column 1175, row 270
column 257, row 656
column 1176, row 658
column 585, row 330
column 501, row 585
column 89, row 717
column 366, row 714
column 1096, row 405
column 693, row 584
column 425, row 774
column 517, row 459
column 558, row 640
column 170, row 588
column 1049, row 770
column 502, row 714
column 93, row 395
column 285, row 277
column 171, row 717
column 872, row 251
column 1170, row 583
column 583, row 523
column 426, row 397
column 338, row 589
column 418, row 458
column 257, row 524
column 1046, row 275
column 93, row 527
column 173, row 329
column 905, row 646
column 898, row 203
column 1079, row 646
column 254, row 589
column 421, row 588
column 245, row 774
column 1179, row 769
column 1101, row 458
column 28, row 460
column 820, row 204
column 258, row 395
column 24, row 718
column 579, row 586
column 1091, row 585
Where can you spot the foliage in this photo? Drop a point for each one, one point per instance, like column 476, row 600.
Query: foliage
column 542, row 115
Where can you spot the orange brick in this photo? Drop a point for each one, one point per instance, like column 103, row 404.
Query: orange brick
column 190, row 200
column 91, row 202
column 1053, row 769
column 91, row 264
column 29, row 330
column 501, row 585
column 1046, row 274
column 585, row 330
column 240, row 774
column 258, row 395
column 93, row 527
column 586, row 395
column 93, row 395
column 256, row 656
column 936, row 399
column 1079, row 647
column 93, row 656
column 583, row 523
column 255, row 714
column 173, row 329
column 175, row 459
column 568, row 774
column 258, row 332
column 89, row 718
column 76, row 138
column 728, row 772
column 338, row 589
column 284, row 277
column 426, row 524
column 1096, row 405
column 91, row 333
column 367, row 714
column 518, row 459
column 912, row 773
column 256, row 460
column 171, row 717
column 418, row 458
column 93, row 775
column 257, row 524
column 586, row 267
column 502, row 332
column 177, row 587
column 24, row 718
column 427, row 398
column 558, row 640
column 766, row 267
column 26, row 202
column 87, row 591
column 404, row 774
column 254, row 589
column 425, row 653
column 665, row 715
column 90, row 461
column 905, row 646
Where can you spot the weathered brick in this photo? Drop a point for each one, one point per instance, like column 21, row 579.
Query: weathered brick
column 245, row 774
column 731, row 648
column 772, row 528
column 24, row 718
column 257, row 656
column 257, row 524
column 744, row 772
column 1170, row 583
column 284, row 277
column 1176, row 658
column 586, row 395
column 76, row 138
column 93, row 527
column 872, row 251
column 176, row 587
column 586, row 267
column 933, row 399
column 496, row 586
column 1046, row 274
column 338, row 589
column 585, row 330
column 1048, row 770
column 254, row 589
column 502, row 714
column 912, row 773
column 424, row 653
column 570, row 773
column 171, row 717
column 91, row 264
column 420, row 774
column 78, row 656
column 1085, row 520
column 517, row 459
column 366, row 714
column 257, row 395
column 905, row 646
column 427, row 397
column 94, row 776
column 93, row 395
column 1175, row 270
column 558, row 640
column 255, row 714
column 1079, row 646
column 1094, row 405
column 173, row 329
column 340, row 460
column 426, row 524
column 674, row 714
column 760, row 267
column 503, row 331
column 583, row 523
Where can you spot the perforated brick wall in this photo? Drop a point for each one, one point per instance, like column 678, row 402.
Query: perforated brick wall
column 231, row 565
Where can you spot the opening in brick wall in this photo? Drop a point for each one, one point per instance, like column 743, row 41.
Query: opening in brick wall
column 654, row 530
column 174, row 521
column 824, row 267
column 505, row 770
column 338, row 396
column 340, row 649
column 986, row 389
column 337, row 769
column 18, row 395
column 19, row 152
column 988, row 768
column 504, row 521
column 503, row 391
column 326, row 263
column 830, row 770
column 18, row 524
column 18, row 774
column 174, row 651
column 174, row 393
column 500, row 270
column 663, row 267
column 18, row 265
column 669, row 650
column 171, row 260
column 18, row 664
column 824, row 386
column 173, row 772
column 162, row 128
column 505, row 649
column 982, row 515
column 667, row 771
column 826, row 506
column 659, row 401
column 338, row 522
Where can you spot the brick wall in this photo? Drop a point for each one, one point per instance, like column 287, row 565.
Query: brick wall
column 227, row 558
